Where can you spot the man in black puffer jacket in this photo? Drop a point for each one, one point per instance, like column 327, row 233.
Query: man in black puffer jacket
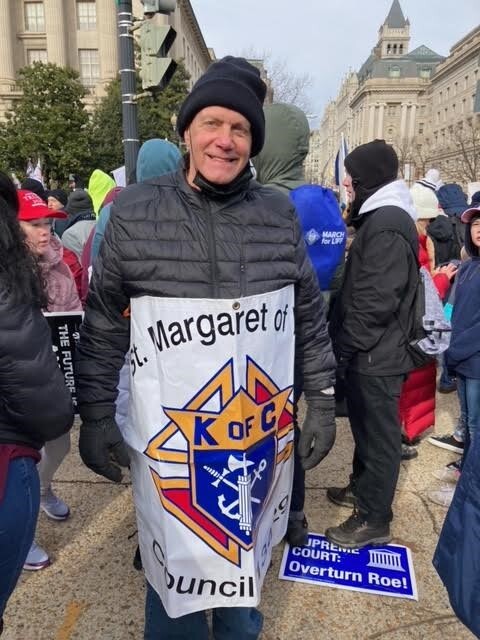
column 369, row 324
column 206, row 232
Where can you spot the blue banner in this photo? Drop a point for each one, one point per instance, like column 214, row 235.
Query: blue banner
column 385, row 571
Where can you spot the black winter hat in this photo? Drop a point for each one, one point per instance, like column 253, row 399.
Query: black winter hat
column 30, row 184
column 58, row 194
column 79, row 201
column 232, row 83
column 372, row 165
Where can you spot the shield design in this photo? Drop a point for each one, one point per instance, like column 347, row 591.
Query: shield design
column 231, row 487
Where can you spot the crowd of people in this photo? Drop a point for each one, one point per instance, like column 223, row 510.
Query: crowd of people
column 230, row 225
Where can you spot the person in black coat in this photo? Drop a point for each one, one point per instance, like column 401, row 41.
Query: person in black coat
column 36, row 405
column 369, row 325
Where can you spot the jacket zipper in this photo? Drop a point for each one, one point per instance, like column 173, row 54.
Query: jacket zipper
column 243, row 272
column 212, row 253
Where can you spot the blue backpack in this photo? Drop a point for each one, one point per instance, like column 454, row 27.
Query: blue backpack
column 323, row 227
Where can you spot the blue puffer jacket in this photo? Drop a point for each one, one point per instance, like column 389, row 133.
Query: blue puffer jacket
column 463, row 355
column 457, row 557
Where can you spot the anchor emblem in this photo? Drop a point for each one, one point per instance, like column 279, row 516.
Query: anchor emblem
column 243, row 487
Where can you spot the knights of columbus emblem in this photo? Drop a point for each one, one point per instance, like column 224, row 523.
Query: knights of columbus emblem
column 229, row 457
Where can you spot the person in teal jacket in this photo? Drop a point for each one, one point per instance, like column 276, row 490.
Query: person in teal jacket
column 155, row 158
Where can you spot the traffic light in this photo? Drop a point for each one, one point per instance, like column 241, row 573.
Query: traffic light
column 157, row 68
column 158, row 6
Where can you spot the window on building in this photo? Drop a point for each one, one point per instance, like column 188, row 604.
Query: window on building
column 400, row 49
column 476, row 103
column 465, row 82
column 448, row 93
column 438, row 117
column 89, row 66
column 455, row 88
column 34, row 16
column 389, row 49
column 420, row 128
column 423, row 108
column 454, row 108
column 86, row 15
column 392, row 110
column 463, row 105
column 394, row 49
column 445, row 114
column 440, row 97
column 425, row 72
column 394, row 72
column 36, row 55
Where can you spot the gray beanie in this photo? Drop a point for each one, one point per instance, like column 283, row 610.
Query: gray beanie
column 78, row 202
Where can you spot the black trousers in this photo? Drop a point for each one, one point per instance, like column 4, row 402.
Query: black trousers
column 373, row 413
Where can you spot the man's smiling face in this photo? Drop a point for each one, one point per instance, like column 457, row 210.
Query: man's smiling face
column 219, row 141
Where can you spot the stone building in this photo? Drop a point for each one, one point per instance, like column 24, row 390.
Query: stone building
column 82, row 34
column 390, row 96
column 449, row 138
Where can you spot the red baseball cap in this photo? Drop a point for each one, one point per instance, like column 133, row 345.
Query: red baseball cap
column 32, row 207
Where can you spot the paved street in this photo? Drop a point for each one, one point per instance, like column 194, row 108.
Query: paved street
column 92, row 591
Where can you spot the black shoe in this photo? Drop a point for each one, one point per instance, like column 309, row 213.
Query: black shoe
column 447, row 387
column 297, row 532
column 409, row 452
column 356, row 533
column 343, row 496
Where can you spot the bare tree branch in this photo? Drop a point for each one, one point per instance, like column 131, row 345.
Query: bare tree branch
column 288, row 86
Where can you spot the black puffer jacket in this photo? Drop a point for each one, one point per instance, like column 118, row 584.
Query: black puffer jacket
column 166, row 239
column 35, row 404
column 374, row 309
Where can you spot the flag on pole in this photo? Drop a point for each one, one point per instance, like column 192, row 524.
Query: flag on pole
column 30, row 168
column 37, row 172
column 340, row 169
column 34, row 171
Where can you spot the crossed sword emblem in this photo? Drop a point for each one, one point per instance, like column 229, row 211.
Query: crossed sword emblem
column 243, row 488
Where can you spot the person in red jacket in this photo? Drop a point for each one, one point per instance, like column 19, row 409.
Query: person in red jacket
column 417, row 401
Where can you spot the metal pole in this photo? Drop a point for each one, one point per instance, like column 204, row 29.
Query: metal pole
column 130, row 139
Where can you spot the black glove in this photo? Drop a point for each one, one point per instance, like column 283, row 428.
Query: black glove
column 318, row 431
column 101, row 446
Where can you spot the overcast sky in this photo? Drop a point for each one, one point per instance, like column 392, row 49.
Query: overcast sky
column 326, row 38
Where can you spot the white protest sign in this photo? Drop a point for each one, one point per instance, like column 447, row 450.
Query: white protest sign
column 211, row 430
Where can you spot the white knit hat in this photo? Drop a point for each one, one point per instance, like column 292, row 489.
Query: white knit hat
column 425, row 202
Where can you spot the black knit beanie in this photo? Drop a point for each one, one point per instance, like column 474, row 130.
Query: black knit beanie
column 232, row 83
column 58, row 194
column 30, row 184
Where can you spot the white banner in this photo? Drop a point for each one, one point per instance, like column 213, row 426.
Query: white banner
column 211, row 433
